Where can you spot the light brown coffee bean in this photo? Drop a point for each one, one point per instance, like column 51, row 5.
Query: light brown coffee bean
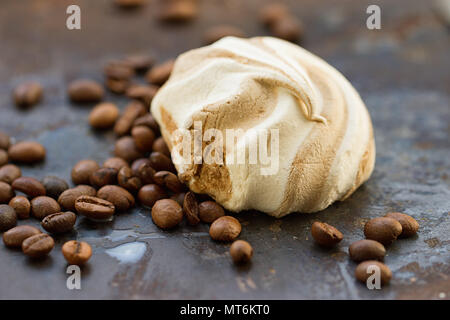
column 59, row 222
column 137, row 163
column 115, row 163
column 6, row 192
column 179, row 197
column 190, row 208
column 38, row 245
column 129, row 4
column 27, row 94
column 84, row 90
column 216, row 33
column 160, row 146
column 167, row 213
column 104, row 115
column 54, row 186
column 21, row 206
column 94, row 208
column 241, row 251
column 126, row 149
column 363, row 271
column 273, row 13
column 148, row 121
column 366, row 250
column 5, row 141
column 382, row 229
column 410, row 226
column 159, row 74
column 209, row 211
column 8, row 217
column 226, row 228
column 145, row 172
column 326, row 235
column 143, row 138
column 26, row 152
column 43, row 206
column 140, row 62
column 30, row 186
column 128, row 180
column 67, row 199
column 289, row 28
column 133, row 110
column 118, row 70
column 9, row 173
column 117, row 86
column 76, row 252
column 168, row 180
column 143, row 93
column 118, row 196
column 103, row 177
column 177, row 11
column 14, row 237
column 151, row 193
column 160, row 162
column 3, row 157
column 82, row 171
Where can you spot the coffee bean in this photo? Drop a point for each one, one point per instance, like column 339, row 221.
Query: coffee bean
column 8, row 217
column 117, row 86
column 9, row 173
column 179, row 197
column 104, row 115
column 366, row 250
column 178, row 11
column 43, row 206
column 209, row 211
column 22, row 206
column 54, row 186
column 26, row 152
column 126, row 148
column 3, row 157
column 94, row 208
column 363, row 271
column 160, row 162
column 143, row 93
column 118, row 196
column 30, row 186
column 145, row 172
column 115, row 163
column 241, row 251
column 410, row 226
column 128, row 180
column 6, row 192
column 159, row 74
column 133, row 110
column 82, row 171
column 59, row 222
column 140, row 62
column 289, row 28
column 76, row 252
column 148, row 121
column 137, row 163
column 167, row 213
column 85, row 90
column 168, row 180
column 218, row 32
column 151, row 193
column 118, row 70
column 14, row 237
column 273, row 13
column 67, row 199
column 225, row 228
column 27, row 94
column 325, row 235
column 129, row 4
column 103, row 177
column 382, row 229
column 160, row 146
column 38, row 245
column 143, row 138
column 5, row 141
column 190, row 208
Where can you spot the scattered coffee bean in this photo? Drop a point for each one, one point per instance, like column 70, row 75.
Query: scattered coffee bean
column 326, row 235
column 129, row 4
column 82, row 171
column 26, row 152
column 115, row 163
column 85, row 90
column 59, row 222
column 226, row 228
column 67, row 199
column 94, row 208
column 126, row 149
column 410, row 226
column 190, row 208
column 133, row 110
column 241, row 251
column 140, row 62
column 289, row 28
column 103, row 177
column 76, row 252
column 21, row 206
column 143, row 93
column 8, row 217
column 273, row 13
column 143, row 138
column 151, row 193
column 382, row 229
column 118, row 70
column 128, row 180
column 30, row 186
column 38, row 245
column 167, row 213
column 179, row 197
column 149, row 121
column 145, row 172
column 137, row 163
column 160, row 146
column 27, row 94
column 218, row 32
column 177, row 11
column 366, row 250
column 5, row 141
column 160, row 162
column 118, row 196
column 14, row 237
column 209, row 211
column 54, row 186
column 168, row 180
column 104, row 115
column 43, row 206
column 117, row 86
column 363, row 272
column 3, row 157
column 9, row 173
column 159, row 74
column 6, row 192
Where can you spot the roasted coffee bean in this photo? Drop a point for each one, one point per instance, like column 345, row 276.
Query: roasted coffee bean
column 22, row 206
column 151, row 193
column 273, row 13
column 366, row 250
column 103, row 177
column 128, row 180
column 8, row 217
column 133, row 110
column 365, row 269
column 326, row 235
column 94, row 208
column 143, row 93
column 76, row 252
column 118, row 196
column 9, row 173
column 67, row 199
column 115, row 163
column 26, row 152
column 143, row 138
column 38, row 245
column 5, row 141
column 289, row 28
column 241, row 251
column 145, row 172
column 85, row 90
column 226, row 228
column 118, row 70
column 209, row 211
column 14, row 237
column 137, row 163
column 160, row 146
column 117, row 86
column 59, row 222
column 148, row 121
column 179, row 197
column 160, row 162
column 27, row 94
column 6, row 192
column 82, row 171
column 190, row 208
column 167, row 213
column 382, row 229
column 126, row 148
column 218, row 32
column 3, row 157
column 30, row 186
column 159, row 74
column 177, row 11
column 410, row 226
column 169, row 180
column 104, row 115
column 43, row 206
column 54, row 186
column 129, row 4
column 139, row 62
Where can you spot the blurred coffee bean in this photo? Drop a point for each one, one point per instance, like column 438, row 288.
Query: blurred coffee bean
column 85, row 90
column 54, row 186
column 26, row 152
column 27, row 94
column 104, row 115
column 159, row 74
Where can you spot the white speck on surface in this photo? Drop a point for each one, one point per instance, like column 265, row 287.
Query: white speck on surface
column 129, row 252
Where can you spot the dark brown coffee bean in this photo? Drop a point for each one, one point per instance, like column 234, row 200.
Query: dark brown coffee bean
column 82, row 171
column 273, row 13
column 289, row 28
column 103, row 177
column 143, row 93
column 226, row 228
column 43, row 206
column 160, row 146
column 14, row 237
column 129, row 4
column 159, row 74
column 326, row 235
column 38, row 245
column 117, row 86
column 26, row 152
column 59, row 222
column 118, row 70
column 126, row 148
column 115, row 163
column 76, row 252
column 382, row 229
column 167, row 213
column 209, row 211
column 241, row 251
column 179, row 197
column 151, row 193
column 67, row 199
column 27, row 94
column 410, row 226
column 160, row 162
column 85, row 90
column 133, row 110
column 143, row 138
column 54, row 186
column 22, row 206
column 148, row 121
column 6, row 192
column 5, row 141
column 140, row 62
column 118, row 196
column 190, row 208
column 366, row 250
column 30, row 186
column 128, row 180
column 168, row 180
column 145, row 172
column 363, row 271
column 137, row 163
column 218, row 32
column 8, row 217
column 94, row 208
column 3, row 157
column 9, row 173
column 104, row 115
column 177, row 11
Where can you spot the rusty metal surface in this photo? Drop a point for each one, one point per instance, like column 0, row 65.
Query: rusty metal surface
column 401, row 72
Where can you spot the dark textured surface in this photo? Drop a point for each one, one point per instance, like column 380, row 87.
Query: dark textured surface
column 401, row 72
